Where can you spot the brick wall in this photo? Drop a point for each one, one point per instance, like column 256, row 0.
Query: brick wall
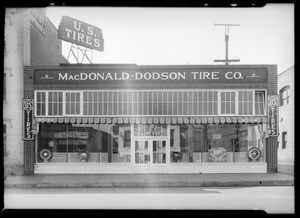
column 271, row 143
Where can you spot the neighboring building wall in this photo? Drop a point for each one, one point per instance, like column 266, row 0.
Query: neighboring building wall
column 46, row 52
column 21, row 40
column 286, row 118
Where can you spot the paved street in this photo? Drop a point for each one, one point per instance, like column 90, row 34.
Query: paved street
column 270, row 199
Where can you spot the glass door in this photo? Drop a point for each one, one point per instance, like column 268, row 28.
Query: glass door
column 158, row 151
column 142, row 151
column 150, row 151
column 150, row 156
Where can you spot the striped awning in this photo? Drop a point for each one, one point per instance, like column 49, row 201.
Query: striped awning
column 153, row 120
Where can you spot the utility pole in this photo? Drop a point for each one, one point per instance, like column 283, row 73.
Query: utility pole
column 227, row 61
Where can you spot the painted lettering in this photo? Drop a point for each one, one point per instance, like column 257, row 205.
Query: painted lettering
column 76, row 25
column 60, row 77
column 90, row 30
column 97, row 43
column 125, row 76
column 83, row 76
column 164, row 76
column 235, row 75
column 195, row 74
column 181, row 75
column 88, row 40
column 214, row 75
column 108, row 76
column 68, row 32
column 155, row 76
column 138, row 76
column 229, row 75
column 80, row 37
column 147, row 76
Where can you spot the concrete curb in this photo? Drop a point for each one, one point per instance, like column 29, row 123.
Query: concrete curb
column 111, row 181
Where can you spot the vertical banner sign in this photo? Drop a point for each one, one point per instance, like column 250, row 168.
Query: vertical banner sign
column 273, row 101
column 27, row 119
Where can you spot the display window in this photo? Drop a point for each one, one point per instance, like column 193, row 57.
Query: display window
column 216, row 143
column 68, row 143
column 184, row 143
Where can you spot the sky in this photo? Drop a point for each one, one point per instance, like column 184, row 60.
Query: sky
column 181, row 36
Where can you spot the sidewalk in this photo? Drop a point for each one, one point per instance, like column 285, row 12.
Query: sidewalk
column 286, row 168
column 149, row 180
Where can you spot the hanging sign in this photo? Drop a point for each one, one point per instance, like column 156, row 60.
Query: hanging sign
column 80, row 33
column 27, row 119
column 273, row 101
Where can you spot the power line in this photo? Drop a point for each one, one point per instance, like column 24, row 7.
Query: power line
column 226, row 60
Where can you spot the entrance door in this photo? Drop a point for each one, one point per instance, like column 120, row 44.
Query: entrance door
column 150, row 155
column 158, row 151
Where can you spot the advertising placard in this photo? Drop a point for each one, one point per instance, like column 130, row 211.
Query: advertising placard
column 136, row 75
column 273, row 101
column 80, row 33
column 27, row 119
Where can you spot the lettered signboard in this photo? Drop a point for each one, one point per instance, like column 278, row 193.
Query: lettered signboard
column 273, row 114
column 80, row 33
column 27, row 119
column 136, row 75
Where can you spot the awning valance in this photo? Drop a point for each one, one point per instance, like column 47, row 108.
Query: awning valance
column 153, row 120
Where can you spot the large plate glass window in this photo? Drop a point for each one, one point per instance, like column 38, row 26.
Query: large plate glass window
column 216, row 143
column 84, row 143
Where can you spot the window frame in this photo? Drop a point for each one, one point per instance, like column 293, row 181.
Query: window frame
column 247, row 102
column 281, row 95
column 284, row 140
column 80, row 103
column 220, row 102
column 174, row 102
column 55, row 102
column 264, row 101
column 36, row 102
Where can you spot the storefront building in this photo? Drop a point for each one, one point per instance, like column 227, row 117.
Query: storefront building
column 131, row 118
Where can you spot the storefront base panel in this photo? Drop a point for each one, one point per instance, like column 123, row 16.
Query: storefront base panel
column 187, row 168
column 258, row 167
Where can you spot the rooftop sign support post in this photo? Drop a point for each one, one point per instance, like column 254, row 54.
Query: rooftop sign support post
column 227, row 61
column 76, row 50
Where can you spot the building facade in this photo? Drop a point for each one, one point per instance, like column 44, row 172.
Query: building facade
column 286, row 139
column 30, row 40
column 150, row 119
